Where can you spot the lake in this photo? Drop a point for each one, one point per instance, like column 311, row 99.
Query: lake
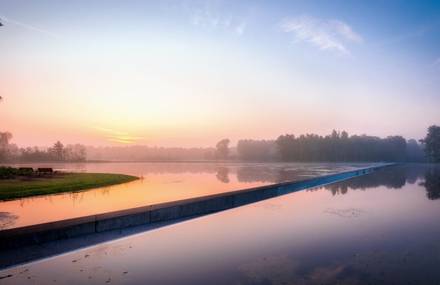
column 160, row 182
column 380, row 228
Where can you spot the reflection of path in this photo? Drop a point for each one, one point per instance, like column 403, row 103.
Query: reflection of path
column 7, row 220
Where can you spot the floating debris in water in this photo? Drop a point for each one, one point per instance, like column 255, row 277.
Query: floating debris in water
column 6, row 276
column 345, row 213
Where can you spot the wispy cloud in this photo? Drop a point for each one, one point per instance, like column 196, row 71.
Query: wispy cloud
column 29, row 27
column 209, row 16
column 118, row 136
column 331, row 35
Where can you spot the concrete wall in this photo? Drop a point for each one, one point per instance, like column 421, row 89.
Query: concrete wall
column 37, row 234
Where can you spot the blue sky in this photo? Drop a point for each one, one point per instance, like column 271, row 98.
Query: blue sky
column 191, row 72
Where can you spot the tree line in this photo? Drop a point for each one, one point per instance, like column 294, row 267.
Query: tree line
column 337, row 146
column 340, row 146
column 57, row 152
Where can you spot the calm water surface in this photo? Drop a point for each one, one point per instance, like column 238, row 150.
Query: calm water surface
column 382, row 228
column 161, row 182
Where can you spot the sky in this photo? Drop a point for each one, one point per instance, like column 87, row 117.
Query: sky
column 189, row 73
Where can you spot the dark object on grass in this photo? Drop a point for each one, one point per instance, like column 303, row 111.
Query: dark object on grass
column 7, row 172
column 25, row 171
column 45, row 170
column 11, row 172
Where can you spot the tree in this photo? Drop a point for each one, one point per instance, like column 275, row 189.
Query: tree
column 222, row 149
column 256, row 150
column 414, row 151
column 5, row 137
column 75, row 152
column 432, row 143
column 57, row 151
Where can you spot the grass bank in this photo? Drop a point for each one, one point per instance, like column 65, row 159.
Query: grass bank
column 20, row 187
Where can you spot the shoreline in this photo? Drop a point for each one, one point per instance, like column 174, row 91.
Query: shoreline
column 57, row 183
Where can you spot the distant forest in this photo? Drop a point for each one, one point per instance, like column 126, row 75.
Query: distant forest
column 335, row 147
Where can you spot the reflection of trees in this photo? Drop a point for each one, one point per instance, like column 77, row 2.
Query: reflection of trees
column 7, row 220
column 394, row 178
column 222, row 174
column 432, row 183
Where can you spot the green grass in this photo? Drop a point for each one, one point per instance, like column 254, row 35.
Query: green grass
column 58, row 183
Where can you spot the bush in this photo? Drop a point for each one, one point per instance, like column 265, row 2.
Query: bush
column 7, row 172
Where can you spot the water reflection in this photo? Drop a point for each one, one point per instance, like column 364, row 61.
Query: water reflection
column 345, row 213
column 273, row 174
column 381, row 266
column 161, row 182
column 432, row 183
column 426, row 175
column 222, row 174
column 386, row 235
column 243, row 172
column 7, row 220
column 164, row 182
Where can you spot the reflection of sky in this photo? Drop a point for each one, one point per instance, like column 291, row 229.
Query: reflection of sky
column 161, row 182
column 294, row 239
